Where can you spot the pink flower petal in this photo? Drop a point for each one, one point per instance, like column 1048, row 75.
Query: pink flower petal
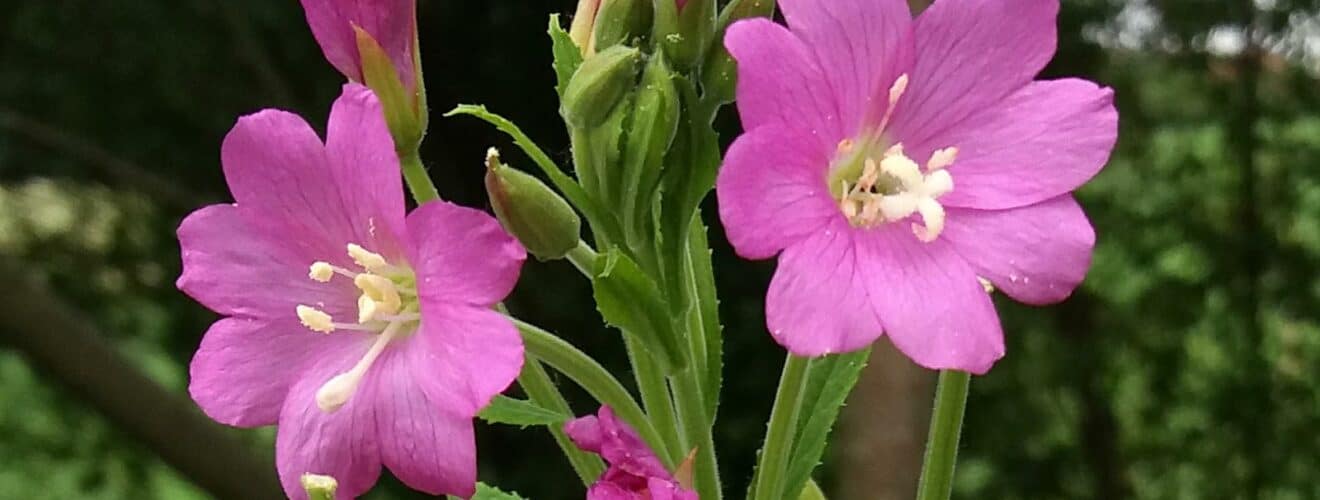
column 463, row 256
column 772, row 192
column 390, row 22
column 862, row 46
column 341, row 444
column 363, row 162
column 818, row 301
column 425, row 444
column 971, row 54
column 463, row 356
column 1043, row 141
column 780, row 82
column 244, row 368
column 233, row 270
column 660, row 489
column 1037, row 254
column 605, row 490
column 586, row 433
column 932, row 306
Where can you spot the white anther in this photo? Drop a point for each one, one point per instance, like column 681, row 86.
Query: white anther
column 849, row 208
column 321, row 271
column 897, row 90
column 379, row 296
column 367, row 308
column 932, row 213
column 846, row 146
column 369, row 260
column 870, row 174
column 904, row 169
column 339, row 389
column 986, row 284
column 942, row 158
column 315, row 319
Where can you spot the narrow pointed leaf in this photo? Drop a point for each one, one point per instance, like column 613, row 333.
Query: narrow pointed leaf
column 520, row 412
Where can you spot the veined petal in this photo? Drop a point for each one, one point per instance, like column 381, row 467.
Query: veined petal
column 463, row 256
column 424, row 443
column 862, row 46
column 781, row 83
column 390, row 22
column 772, row 191
column 818, row 302
column 930, row 302
column 969, row 55
column 1037, row 254
column 232, row 269
column 341, row 444
column 1043, row 141
column 244, row 368
column 463, row 356
column 365, row 165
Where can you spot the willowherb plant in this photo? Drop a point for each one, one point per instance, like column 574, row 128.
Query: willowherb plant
column 901, row 169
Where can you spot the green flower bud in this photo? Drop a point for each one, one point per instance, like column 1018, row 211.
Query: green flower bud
column 654, row 124
column 598, row 85
column 529, row 210
column 619, row 21
column 721, row 72
column 685, row 33
column 319, row 487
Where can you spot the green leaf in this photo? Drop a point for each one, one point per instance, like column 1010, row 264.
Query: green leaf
column 520, row 412
column 689, row 175
column 562, row 181
column 566, row 53
column 707, row 311
column 829, row 382
column 630, row 300
column 811, row 492
column 488, row 492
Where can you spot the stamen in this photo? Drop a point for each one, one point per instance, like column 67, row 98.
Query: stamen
column 904, row 169
column 315, row 319
column 942, row 158
column 870, row 174
column 379, row 296
column 846, row 146
column 336, row 392
column 369, row 260
column 367, row 308
column 896, row 92
column 986, row 284
column 321, row 271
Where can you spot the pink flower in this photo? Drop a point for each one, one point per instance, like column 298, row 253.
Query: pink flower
column 897, row 165
column 393, row 23
column 366, row 335
column 634, row 471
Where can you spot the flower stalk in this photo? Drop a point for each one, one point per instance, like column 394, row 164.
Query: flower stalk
column 779, row 434
column 945, row 430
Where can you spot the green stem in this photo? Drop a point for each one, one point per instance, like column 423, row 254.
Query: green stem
column 697, row 430
column 593, row 378
column 783, row 425
column 650, row 381
column 945, row 427
column 542, row 391
column 423, row 190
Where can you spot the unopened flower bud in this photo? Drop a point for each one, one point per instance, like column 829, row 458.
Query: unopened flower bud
column 619, row 21
column 655, row 120
column 532, row 212
column 685, row 30
column 598, row 85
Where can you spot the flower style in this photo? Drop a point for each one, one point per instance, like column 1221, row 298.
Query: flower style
column 392, row 23
column 634, row 471
column 367, row 335
column 902, row 167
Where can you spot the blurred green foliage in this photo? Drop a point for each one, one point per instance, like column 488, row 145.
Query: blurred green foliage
column 1182, row 368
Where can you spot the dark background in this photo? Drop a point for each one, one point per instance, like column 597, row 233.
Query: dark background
column 1183, row 367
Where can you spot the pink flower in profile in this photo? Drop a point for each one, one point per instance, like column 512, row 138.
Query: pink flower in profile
column 901, row 167
column 392, row 23
column 634, row 471
column 367, row 336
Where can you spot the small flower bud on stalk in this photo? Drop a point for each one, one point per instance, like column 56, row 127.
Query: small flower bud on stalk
column 598, row 85
column 319, row 487
column 529, row 210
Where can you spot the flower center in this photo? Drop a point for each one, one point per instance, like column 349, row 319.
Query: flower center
column 879, row 188
column 387, row 307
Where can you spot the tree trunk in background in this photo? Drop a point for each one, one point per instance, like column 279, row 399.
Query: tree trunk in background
column 882, row 431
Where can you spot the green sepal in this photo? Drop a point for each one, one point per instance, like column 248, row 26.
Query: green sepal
column 720, row 73
column 598, row 85
column 520, row 412
column 696, row 27
column 654, row 123
column 621, row 21
column 401, row 107
column 567, row 55
column 488, row 492
column 693, row 162
column 629, row 300
column 529, row 210
column 829, row 383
